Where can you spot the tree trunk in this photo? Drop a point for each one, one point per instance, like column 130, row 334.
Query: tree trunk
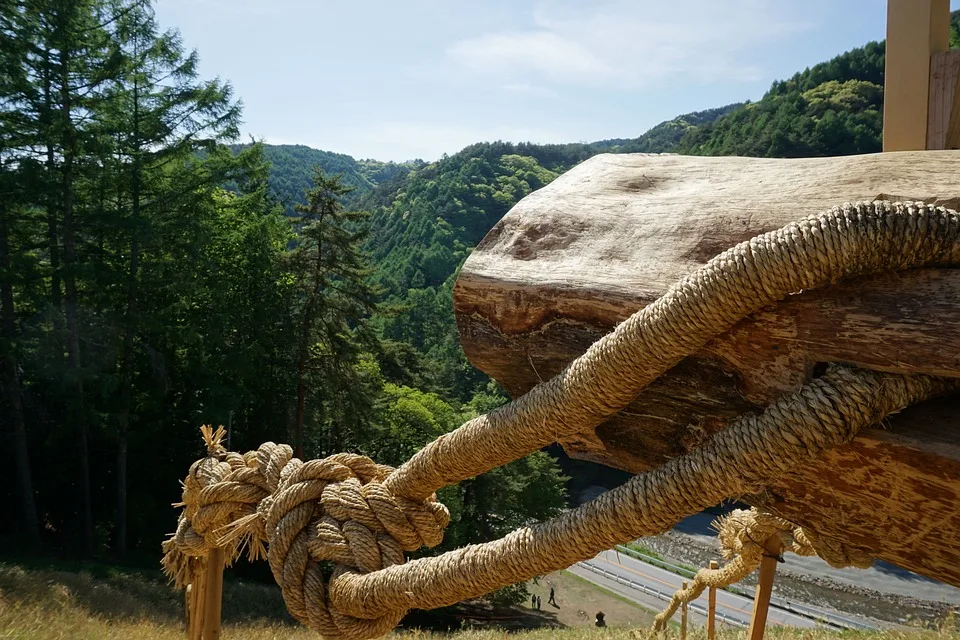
column 126, row 400
column 53, row 239
column 126, row 363
column 301, row 403
column 9, row 380
column 304, row 350
column 71, row 299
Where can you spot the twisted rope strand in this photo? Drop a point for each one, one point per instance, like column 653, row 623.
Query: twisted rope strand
column 852, row 240
column 737, row 460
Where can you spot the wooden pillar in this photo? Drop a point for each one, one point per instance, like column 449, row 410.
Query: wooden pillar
column 712, row 607
column 916, row 30
column 197, row 599
column 683, row 615
column 214, row 595
column 761, row 602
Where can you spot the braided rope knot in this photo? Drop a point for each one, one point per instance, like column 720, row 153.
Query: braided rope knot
column 741, row 534
column 305, row 517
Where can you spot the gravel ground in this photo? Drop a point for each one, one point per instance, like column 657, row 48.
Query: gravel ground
column 884, row 592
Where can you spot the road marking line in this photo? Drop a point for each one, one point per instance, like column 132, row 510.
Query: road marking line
column 674, row 587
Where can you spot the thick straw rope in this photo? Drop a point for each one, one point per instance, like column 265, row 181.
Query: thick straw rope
column 361, row 516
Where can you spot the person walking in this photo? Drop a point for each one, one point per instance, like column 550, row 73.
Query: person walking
column 539, row 600
column 533, row 601
column 553, row 599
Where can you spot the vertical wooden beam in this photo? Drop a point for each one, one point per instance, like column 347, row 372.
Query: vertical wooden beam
column 197, row 601
column 712, row 607
column 942, row 116
column 916, row 29
column 187, row 606
column 214, row 595
column 761, row 602
column 683, row 615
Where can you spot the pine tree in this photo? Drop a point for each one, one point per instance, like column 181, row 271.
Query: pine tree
column 335, row 298
column 156, row 113
column 65, row 65
column 12, row 174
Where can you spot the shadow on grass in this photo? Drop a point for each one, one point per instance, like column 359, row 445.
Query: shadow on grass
column 129, row 594
column 480, row 615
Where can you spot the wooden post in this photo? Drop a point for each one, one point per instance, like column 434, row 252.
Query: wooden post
column 761, row 602
column 197, row 600
column 916, row 29
column 214, row 595
column 712, row 606
column 683, row 615
column 942, row 118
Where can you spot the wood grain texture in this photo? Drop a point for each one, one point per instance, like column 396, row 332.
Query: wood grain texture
column 942, row 117
column 572, row 260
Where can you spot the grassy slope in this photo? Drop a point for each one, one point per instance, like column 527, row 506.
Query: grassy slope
column 105, row 603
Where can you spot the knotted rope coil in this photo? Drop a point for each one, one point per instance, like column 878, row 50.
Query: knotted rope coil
column 360, row 516
column 741, row 534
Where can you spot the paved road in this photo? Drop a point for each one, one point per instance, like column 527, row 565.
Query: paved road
column 610, row 565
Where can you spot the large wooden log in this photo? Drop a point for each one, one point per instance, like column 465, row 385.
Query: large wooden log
column 572, row 260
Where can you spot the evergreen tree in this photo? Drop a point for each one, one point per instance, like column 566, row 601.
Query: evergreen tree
column 11, row 197
column 65, row 65
column 157, row 112
column 334, row 299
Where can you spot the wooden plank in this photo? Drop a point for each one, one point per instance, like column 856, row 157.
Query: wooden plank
column 953, row 129
column 683, row 615
column 712, row 607
column 214, row 594
column 944, row 71
column 761, row 602
column 916, row 29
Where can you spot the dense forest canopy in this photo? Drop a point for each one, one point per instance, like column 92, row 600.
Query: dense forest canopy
column 157, row 274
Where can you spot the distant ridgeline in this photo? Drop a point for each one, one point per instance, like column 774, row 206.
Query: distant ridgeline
column 427, row 217
column 292, row 171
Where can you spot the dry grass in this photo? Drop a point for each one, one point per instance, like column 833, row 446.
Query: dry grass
column 48, row 604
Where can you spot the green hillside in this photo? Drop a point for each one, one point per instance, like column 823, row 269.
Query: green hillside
column 834, row 108
column 291, row 172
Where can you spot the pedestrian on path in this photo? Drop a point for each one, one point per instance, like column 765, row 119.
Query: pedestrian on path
column 553, row 599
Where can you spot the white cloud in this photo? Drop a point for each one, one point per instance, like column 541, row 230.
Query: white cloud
column 628, row 44
column 550, row 54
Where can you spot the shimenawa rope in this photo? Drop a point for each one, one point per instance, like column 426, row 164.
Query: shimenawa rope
column 361, row 516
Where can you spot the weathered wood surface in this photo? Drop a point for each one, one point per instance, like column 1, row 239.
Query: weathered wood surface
column 572, row 260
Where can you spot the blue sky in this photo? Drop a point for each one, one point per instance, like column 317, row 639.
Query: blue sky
column 403, row 79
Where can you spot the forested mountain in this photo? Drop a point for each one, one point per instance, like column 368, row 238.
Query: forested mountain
column 834, row 108
column 425, row 222
column 665, row 137
column 291, row 172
